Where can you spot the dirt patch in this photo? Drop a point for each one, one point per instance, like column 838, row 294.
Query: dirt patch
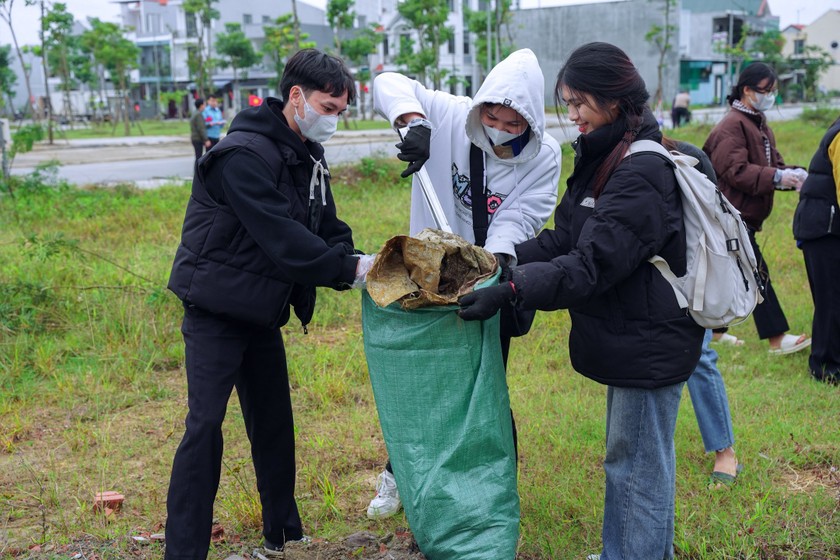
column 808, row 479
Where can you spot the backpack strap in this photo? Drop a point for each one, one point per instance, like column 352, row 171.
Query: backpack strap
column 478, row 195
column 649, row 146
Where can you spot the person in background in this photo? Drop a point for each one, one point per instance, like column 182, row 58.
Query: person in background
column 679, row 109
column 213, row 119
column 260, row 233
column 705, row 386
column 198, row 130
column 750, row 169
column 816, row 227
column 504, row 125
column 628, row 330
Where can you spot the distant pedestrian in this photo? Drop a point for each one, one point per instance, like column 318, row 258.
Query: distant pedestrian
column 198, row 130
column 213, row 119
column 679, row 109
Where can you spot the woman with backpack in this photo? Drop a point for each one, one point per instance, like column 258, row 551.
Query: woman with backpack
column 628, row 331
column 750, row 170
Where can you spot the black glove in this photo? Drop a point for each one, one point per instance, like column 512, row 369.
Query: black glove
column 504, row 264
column 415, row 146
column 486, row 302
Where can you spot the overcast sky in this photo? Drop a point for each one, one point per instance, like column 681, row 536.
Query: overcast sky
column 25, row 18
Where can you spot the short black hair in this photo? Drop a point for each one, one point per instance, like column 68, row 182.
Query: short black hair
column 198, row 102
column 313, row 70
column 211, row 96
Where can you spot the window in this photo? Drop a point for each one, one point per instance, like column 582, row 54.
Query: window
column 466, row 43
column 247, row 19
column 266, row 19
column 152, row 23
column 451, row 45
column 385, row 46
column 192, row 28
column 798, row 46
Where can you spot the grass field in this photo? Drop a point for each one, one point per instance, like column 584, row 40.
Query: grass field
column 93, row 394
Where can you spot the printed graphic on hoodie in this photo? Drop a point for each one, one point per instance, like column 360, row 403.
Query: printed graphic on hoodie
column 461, row 188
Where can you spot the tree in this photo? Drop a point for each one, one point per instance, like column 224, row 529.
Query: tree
column 115, row 53
column 356, row 52
column 8, row 79
column 659, row 35
column 6, row 15
column 428, row 19
column 279, row 44
column 57, row 41
column 484, row 24
column 811, row 63
column 340, row 16
column 236, row 51
column 201, row 62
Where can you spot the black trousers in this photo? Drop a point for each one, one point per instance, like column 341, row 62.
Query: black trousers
column 769, row 318
column 220, row 355
column 198, row 147
column 822, row 262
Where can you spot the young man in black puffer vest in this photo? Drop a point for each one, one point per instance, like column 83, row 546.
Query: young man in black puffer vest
column 260, row 233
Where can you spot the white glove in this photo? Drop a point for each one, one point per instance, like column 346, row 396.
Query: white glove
column 362, row 268
column 791, row 178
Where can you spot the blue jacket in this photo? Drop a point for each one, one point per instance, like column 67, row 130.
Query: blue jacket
column 213, row 115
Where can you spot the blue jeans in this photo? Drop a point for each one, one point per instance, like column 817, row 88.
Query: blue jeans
column 708, row 395
column 641, row 473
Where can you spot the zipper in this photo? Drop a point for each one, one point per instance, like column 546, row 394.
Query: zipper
column 831, row 219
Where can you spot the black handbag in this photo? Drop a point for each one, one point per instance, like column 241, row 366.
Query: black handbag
column 513, row 320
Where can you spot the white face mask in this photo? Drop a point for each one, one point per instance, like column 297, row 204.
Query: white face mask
column 764, row 101
column 315, row 126
column 498, row 137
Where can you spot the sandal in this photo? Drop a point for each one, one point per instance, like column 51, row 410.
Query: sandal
column 728, row 339
column 790, row 344
column 726, row 479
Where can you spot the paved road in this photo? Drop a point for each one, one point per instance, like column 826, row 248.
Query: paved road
column 152, row 161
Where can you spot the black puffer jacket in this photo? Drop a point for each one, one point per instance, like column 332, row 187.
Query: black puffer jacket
column 627, row 328
column 817, row 213
column 253, row 241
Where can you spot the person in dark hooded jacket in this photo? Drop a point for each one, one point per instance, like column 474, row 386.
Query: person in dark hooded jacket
column 260, row 233
column 628, row 331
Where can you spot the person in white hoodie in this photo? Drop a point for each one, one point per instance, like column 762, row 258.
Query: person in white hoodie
column 503, row 126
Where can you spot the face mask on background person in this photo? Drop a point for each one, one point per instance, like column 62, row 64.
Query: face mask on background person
column 499, row 137
column 764, row 101
column 315, row 126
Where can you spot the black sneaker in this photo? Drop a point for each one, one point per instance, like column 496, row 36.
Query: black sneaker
column 272, row 550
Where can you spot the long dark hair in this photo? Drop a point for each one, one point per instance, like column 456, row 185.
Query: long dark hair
column 608, row 76
column 750, row 77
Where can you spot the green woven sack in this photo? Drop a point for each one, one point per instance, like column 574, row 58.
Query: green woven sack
column 440, row 389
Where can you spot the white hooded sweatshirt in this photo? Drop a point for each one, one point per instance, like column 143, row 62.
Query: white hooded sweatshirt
column 521, row 191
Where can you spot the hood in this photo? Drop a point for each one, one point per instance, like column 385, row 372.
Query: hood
column 516, row 82
column 268, row 120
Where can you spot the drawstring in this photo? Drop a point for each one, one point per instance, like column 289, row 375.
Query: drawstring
column 318, row 174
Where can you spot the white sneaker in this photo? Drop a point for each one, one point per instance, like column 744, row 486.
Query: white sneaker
column 387, row 500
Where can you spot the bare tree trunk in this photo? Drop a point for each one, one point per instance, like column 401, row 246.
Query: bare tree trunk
column 7, row 17
column 48, row 99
